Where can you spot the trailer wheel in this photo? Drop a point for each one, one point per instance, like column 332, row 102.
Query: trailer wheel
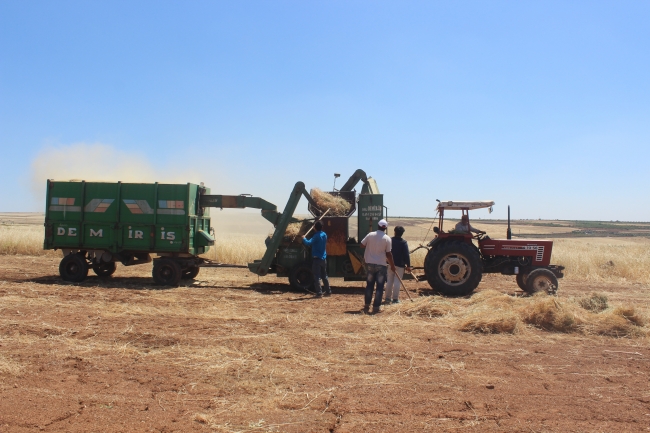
column 190, row 273
column 521, row 281
column 104, row 269
column 541, row 280
column 166, row 272
column 73, row 268
column 453, row 268
column 301, row 277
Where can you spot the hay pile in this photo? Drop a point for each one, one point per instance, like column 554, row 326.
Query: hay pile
column 435, row 306
column 293, row 232
column 338, row 206
column 595, row 302
column 492, row 312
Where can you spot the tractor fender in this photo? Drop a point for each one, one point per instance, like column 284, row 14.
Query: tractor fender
column 437, row 241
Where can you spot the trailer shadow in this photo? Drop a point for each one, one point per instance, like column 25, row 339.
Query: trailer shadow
column 146, row 283
column 128, row 283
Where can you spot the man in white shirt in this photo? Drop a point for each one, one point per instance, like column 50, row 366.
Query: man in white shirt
column 378, row 252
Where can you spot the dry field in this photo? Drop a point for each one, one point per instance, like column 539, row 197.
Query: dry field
column 240, row 240
column 232, row 352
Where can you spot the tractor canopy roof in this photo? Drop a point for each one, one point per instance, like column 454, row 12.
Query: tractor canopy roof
column 465, row 205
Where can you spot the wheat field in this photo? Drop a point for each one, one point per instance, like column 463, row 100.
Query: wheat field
column 591, row 259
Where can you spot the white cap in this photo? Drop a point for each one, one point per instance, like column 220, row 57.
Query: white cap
column 383, row 223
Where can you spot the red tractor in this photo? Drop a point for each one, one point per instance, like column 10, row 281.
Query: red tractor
column 454, row 264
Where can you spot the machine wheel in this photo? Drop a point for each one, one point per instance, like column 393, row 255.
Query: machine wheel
column 301, row 277
column 541, row 280
column 453, row 268
column 73, row 268
column 166, row 272
column 104, row 269
column 521, row 280
column 190, row 273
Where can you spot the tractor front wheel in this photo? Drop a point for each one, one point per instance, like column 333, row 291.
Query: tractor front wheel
column 453, row 268
column 541, row 280
column 521, row 280
column 104, row 269
column 301, row 277
column 73, row 268
column 166, row 272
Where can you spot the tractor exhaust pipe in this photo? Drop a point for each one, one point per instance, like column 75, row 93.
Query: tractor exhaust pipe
column 509, row 232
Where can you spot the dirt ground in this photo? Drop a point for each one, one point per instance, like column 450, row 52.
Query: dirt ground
column 234, row 353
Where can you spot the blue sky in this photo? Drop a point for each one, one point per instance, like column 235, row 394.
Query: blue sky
column 541, row 105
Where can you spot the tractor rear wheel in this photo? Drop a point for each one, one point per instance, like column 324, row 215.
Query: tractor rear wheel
column 104, row 269
column 73, row 268
column 166, row 272
column 453, row 268
column 190, row 273
column 541, row 280
column 301, row 277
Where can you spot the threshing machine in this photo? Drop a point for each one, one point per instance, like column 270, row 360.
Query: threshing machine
column 290, row 258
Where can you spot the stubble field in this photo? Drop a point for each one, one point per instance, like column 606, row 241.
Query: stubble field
column 232, row 352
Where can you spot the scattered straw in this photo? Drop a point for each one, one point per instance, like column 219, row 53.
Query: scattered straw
column 612, row 325
column 497, row 322
column 596, row 302
column 435, row 306
column 338, row 205
column 631, row 315
column 9, row 366
column 493, row 312
column 548, row 313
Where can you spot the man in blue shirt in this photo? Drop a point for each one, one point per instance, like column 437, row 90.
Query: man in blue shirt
column 318, row 242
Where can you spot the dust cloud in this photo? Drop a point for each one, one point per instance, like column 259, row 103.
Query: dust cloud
column 98, row 162
column 220, row 167
column 89, row 162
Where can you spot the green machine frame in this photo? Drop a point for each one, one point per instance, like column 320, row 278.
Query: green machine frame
column 344, row 252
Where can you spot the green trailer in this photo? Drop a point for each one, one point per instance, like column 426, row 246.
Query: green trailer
column 97, row 224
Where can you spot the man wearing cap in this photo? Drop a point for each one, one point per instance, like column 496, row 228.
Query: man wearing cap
column 378, row 252
column 318, row 244
column 402, row 260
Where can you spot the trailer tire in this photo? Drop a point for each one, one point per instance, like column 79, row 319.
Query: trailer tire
column 104, row 269
column 541, row 280
column 453, row 268
column 521, row 281
column 166, row 272
column 301, row 277
column 190, row 273
column 73, row 268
